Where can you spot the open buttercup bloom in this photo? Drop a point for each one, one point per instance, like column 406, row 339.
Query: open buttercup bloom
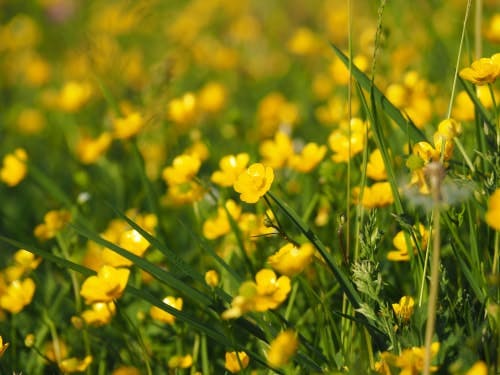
column 183, row 169
column 219, row 225
column 163, row 316
column 282, row 348
column 180, row 361
column 404, row 309
column 128, row 126
column 254, row 182
column 14, row 167
column 291, row 259
column 107, row 285
column 482, row 71
column 74, row 364
column 308, row 158
column 53, row 222
column 236, row 361
column 276, row 151
column 230, row 167
column 493, row 214
column 99, row 314
column 17, row 295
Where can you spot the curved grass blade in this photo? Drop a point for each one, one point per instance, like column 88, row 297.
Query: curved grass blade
column 405, row 123
column 477, row 103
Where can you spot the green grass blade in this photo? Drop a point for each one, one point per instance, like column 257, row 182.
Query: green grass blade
column 404, row 123
column 477, row 103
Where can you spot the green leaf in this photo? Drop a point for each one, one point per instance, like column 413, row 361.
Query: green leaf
column 404, row 123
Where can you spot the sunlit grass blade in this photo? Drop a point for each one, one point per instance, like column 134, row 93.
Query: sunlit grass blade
column 404, row 123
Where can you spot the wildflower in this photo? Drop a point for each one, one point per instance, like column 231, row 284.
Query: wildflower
column 53, row 222
column 291, row 260
column 212, row 97
column 236, row 361
column 199, row 150
column 74, row 364
column 26, row 260
column 17, row 295
column 220, row 225
column 89, row 150
column 411, row 361
column 184, row 109
column 478, row 368
column 303, row 42
column 344, row 147
column 375, row 168
column 275, row 111
column 254, row 182
column 3, row 346
column 308, row 158
column 128, row 126
column 404, row 309
column 267, row 292
column 179, row 361
column 340, row 73
column 401, row 254
column 493, row 214
column 14, row 167
column 212, row 278
column 163, row 316
column 74, row 95
column 126, row 370
column 377, row 195
column 107, row 285
column 183, row 169
column 482, row 71
column 230, row 167
column 30, row 121
column 276, row 152
column 492, row 32
column 99, row 314
column 282, row 348
column 187, row 192
column 130, row 240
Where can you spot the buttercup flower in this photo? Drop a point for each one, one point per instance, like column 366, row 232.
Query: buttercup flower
column 179, row 361
column 212, row 278
column 73, row 364
column 482, row 71
column 275, row 111
column 17, row 295
column 14, row 167
column 89, row 150
column 308, row 158
column 183, row 110
column 493, row 214
column 375, row 168
column 231, row 166
column 291, row 260
column 3, row 346
column 404, row 309
column 282, row 348
column 163, row 316
column 74, row 95
column 277, row 151
column 401, row 254
column 212, row 97
column 340, row 143
column 53, row 222
column 478, row 368
column 127, row 127
column 220, row 225
column 236, row 361
column 107, row 285
column 183, row 169
column 130, row 240
column 411, row 361
column 254, row 182
column 377, row 195
column 126, row 370
column 99, row 314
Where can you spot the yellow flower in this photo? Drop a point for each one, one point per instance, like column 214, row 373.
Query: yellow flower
column 492, row 32
column 376, row 168
column 3, row 346
column 236, row 361
column 179, row 361
column 99, row 314
column 74, row 95
column 53, row 222
column 185, row 193
column 17, row 295
column 130, row 240
column 401, row 253
column 30, row 121
column 267, row 292
column 291, row 260
column 275, row 111
column 212, row 278
column 282, row 348
column 404, row 309
column 303, row 42
column 212, row 97
column 276, row 152
column 183, row 169
column 184, row 109
column 89, row 150
column 26, row 260
column 127, row 127
column 377, row 195
column 126, row 370
column 493, row 214
column 163, row 316
column 411, row 361
column 254, row 182
column 107, row 285
column 220, row 225
column 482, row 71
column 341, row 144
column 231, row 166
column 14, row 167
column 478, row 368
column 73, row 364
column 310, row 156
